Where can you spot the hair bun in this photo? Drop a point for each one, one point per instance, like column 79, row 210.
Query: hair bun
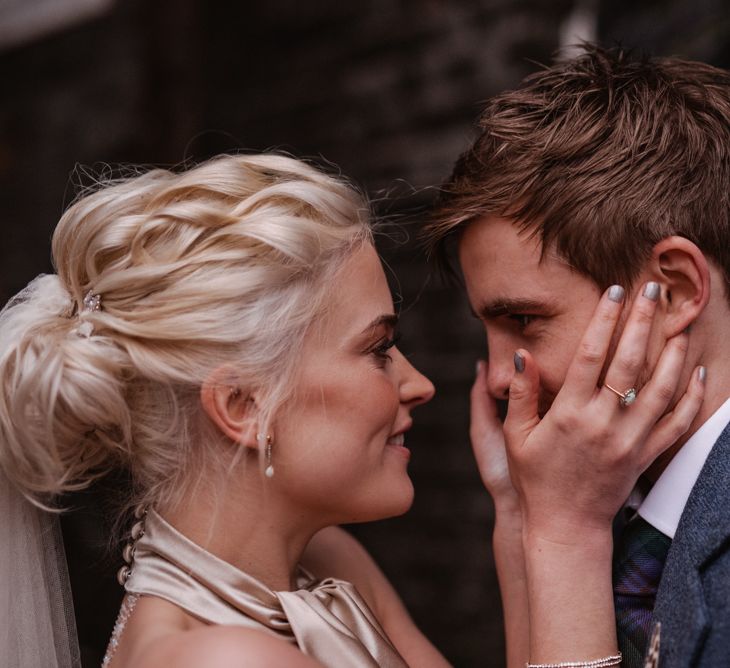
column 61, row 399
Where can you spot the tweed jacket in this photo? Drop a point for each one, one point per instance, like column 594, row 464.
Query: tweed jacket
column 693, row 600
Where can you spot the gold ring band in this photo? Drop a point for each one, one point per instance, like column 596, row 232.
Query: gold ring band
column 624, row 398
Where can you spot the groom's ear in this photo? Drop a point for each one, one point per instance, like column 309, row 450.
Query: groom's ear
column 683, row 274
column 230, row 407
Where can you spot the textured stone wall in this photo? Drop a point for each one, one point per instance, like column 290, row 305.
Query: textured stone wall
column 385, row 89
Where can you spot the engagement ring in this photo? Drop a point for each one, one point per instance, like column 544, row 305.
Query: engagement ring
column 624, row 398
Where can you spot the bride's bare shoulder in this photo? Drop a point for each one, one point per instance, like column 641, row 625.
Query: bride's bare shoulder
column 222, row 647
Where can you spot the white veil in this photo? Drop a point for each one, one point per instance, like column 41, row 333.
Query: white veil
column 37, row 626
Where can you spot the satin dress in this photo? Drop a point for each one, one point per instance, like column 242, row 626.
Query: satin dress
column 326, row 619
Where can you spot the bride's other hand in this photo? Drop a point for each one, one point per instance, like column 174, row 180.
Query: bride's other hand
column 487, row 441
column 575, row 467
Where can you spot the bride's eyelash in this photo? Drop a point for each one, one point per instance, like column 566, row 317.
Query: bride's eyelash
column 380, row 350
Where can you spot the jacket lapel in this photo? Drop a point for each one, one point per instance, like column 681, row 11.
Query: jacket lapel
column 702, row 533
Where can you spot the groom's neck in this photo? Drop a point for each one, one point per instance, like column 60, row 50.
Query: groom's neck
column 717, row 391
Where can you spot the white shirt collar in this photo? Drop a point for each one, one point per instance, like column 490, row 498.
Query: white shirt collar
column 664, row 504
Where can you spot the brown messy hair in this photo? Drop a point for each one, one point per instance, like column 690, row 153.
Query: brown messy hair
column 602, row 157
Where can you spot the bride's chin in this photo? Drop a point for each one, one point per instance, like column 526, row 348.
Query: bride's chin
column 392, row 506
column 402, row 504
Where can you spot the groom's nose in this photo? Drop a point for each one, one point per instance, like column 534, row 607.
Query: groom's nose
column 501, row 367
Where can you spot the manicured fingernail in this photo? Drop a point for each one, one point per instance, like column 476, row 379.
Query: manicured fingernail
column 702, row 374
column 480, row 364
column 519, row 363
column 616, row 293
column 651, row 291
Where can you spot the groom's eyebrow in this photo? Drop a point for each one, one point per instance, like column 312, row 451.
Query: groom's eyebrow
column 503, row 306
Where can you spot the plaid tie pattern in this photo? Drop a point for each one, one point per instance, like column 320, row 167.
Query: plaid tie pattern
column 638, row 563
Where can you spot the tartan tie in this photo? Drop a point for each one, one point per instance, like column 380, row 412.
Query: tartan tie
column 637, row 568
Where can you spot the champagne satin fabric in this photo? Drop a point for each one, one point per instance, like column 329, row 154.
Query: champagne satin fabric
column 327, row 619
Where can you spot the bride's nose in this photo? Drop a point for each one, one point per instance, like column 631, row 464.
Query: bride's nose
column 415, row 388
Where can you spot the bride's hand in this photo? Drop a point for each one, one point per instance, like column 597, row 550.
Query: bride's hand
column 574, row 468
column 487, row 441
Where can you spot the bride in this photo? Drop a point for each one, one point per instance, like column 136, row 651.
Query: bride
column 227, row 335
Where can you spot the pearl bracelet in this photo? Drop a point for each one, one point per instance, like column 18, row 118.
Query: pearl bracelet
column 595, row 663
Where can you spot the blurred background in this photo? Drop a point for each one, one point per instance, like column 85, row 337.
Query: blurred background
column 387, row 90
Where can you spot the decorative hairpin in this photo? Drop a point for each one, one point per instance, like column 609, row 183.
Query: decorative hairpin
column 92, row 302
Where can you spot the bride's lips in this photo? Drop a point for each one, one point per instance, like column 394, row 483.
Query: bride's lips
column 396, row 441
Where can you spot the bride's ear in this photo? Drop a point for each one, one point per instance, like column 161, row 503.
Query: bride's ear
column 232, row 408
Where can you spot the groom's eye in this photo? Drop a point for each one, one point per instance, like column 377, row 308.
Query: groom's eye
column 522, row 319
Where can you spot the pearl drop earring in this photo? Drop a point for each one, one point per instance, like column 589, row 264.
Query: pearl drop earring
column 264, row 441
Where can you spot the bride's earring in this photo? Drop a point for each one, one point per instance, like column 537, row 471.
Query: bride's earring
column 264, row 441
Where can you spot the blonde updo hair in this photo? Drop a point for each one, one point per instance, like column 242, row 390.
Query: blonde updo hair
column 225, row 264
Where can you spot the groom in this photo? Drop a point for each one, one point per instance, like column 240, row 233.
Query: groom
column 618, row 170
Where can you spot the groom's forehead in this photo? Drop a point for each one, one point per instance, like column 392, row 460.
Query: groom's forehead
column 494, row 244
column 506, row 271
column 499, row 251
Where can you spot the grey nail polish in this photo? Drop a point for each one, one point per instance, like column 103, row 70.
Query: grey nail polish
column 651, row 291
column 702, row 374
column 519, row 363
column 616, row 293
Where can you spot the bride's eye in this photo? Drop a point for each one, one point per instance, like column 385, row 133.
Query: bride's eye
column 381, row 350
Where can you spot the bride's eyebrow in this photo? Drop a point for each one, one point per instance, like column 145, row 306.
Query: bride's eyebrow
column 388, row 319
